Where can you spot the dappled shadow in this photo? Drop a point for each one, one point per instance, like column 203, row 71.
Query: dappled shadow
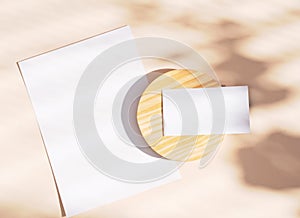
column 240, row 70
column 272, row 163
column 219, row 28
column 244, row 71
column 235, row 68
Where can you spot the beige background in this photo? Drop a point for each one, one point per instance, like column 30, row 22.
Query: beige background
column 255, row 43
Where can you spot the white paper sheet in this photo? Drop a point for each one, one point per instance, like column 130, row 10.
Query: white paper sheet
column 51, row 80
column 203, row 111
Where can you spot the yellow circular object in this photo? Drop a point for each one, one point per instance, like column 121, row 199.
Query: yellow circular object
column 149, row 117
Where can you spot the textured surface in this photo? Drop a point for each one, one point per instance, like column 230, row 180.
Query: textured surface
column 247, row 42
column 149, row 117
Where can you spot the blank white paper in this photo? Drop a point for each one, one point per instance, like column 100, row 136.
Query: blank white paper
column 204, row 111
column 51, row 80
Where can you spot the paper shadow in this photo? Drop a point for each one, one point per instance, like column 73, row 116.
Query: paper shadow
column 129, row 112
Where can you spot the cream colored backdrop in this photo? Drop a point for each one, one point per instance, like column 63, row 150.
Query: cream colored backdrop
column 255, row 43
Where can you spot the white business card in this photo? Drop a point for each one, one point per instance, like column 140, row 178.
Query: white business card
column 205, row 111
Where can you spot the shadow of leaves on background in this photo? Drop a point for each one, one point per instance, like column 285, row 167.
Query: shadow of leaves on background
column 236, row 68
column 241, row 70
column 244, row 71
column 272, row 163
